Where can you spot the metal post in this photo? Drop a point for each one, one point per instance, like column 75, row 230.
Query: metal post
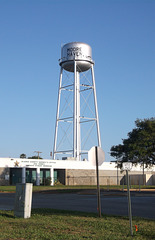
column 108, row 185
column 52, row 176
column 23, row 175
column 98, row 186
column 143, row 175
column 117, row 174
column 38, row 176
column 129, row 203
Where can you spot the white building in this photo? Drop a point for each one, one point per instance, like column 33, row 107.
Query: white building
column 68, row 172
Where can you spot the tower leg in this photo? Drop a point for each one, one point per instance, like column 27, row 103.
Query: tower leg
column 75, row 114
column 96, row 109
column 57, row 116
column 76, row 126
column 78, row 118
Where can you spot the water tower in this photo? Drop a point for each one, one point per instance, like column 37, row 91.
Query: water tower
column 77, row 123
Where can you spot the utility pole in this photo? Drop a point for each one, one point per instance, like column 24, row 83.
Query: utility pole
column 38, row 153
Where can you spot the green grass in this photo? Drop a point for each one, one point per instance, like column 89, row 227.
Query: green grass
column 57, row 224
column 73, row 188
column 7, row 188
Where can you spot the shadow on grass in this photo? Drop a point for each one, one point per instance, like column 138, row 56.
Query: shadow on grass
column 7, row 215
column 49, row 211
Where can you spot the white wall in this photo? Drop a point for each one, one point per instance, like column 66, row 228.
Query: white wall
column 62, row 164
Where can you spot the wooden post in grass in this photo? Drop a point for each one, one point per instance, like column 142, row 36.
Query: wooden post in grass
column 98, row 185
column 96, row 157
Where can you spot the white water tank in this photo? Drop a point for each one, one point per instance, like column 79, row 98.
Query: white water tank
column 79, row 52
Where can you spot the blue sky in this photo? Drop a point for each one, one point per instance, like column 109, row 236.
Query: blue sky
column 122, row 36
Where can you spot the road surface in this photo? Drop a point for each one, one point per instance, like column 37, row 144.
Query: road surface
column 143, row 205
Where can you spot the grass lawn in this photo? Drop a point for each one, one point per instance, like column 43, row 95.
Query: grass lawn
column 68, row 188
column 57, row 224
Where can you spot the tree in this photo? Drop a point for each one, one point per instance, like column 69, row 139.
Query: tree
column 35, row 157
column 139, row 147
column 23, row 155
